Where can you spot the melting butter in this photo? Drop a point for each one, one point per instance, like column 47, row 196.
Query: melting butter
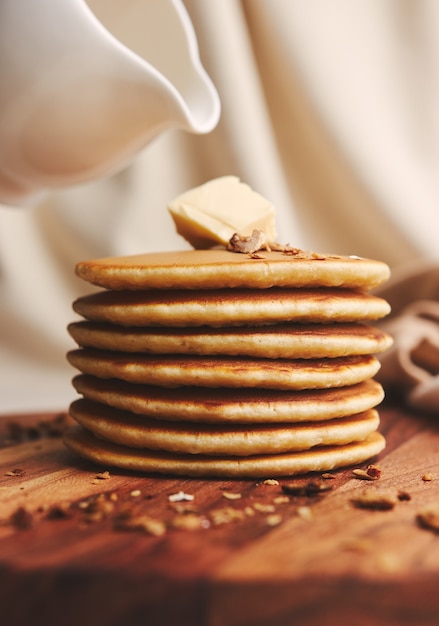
column 212, row 213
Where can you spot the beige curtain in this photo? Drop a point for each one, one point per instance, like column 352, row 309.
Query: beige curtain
column 329, row 109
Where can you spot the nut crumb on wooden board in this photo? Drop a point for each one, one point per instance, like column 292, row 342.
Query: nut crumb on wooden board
column 60, row 514
column 42, row 486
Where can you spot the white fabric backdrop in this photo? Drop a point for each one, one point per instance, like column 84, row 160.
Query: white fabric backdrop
column 329, row 108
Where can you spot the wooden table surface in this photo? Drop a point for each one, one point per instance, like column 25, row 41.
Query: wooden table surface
column 86, row 545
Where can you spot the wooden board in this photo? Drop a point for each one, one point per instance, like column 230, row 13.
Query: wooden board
column 263, row 559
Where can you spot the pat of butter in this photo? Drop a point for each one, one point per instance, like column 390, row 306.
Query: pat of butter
column 212, row 213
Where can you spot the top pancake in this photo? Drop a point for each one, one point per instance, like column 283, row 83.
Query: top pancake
column 219, row 268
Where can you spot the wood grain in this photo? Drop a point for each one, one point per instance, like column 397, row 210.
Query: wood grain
column 314, row 560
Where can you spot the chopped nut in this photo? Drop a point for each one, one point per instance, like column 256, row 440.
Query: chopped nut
column 305, row 513
column 311, row 488
column 62, row 510
column 404, row 496
column 361, row 473
column 372, row 499
column 427, row 477
column 429, row 517
column 249, row 511
column 271, row 482
column 294, row 488
column 281, row 500
column 264, row 508
column 373, row 472
column 328, row 476
column 190, row 521
column 226, row 515
column 103, row 475
column 180, row 497
column 15, row 472
column 229, row 495
column 249, row 245
column 135, row 493
column 142, row 523
column 22, row 519
column 274, row 520
column 182, row 507
column 97, row 509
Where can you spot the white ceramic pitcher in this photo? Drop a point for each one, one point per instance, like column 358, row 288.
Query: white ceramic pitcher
column 84, row 86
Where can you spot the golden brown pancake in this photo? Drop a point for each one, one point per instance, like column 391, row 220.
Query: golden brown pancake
column 220, row 405
column 318, row 459
column 124, row 428
column 233, row 372
column 288, row 341
column 230, row 307
column 175, row 371
column 219, row 268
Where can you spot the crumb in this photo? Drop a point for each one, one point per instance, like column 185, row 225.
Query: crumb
column 249, row 245
column 15, row 472
column 264, row 508
column 59, row 511
column 271, row 482
column 274, row 520
column 404, row 496
column 305, row 513
column 226, row 515
column 427, row 477
column 374, row 500
column 142, row 523
column 281, row 500
column 22, row 519
column 231, row 496
column 103, row 475
column 190, row 521
column 180, row 497
column 429, row 518
column 372, row 472
column 328, row 476
column 311, row 488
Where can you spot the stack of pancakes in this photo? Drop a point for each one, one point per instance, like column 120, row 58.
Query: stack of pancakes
column 213, row 363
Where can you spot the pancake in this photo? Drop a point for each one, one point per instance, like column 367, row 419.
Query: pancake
column 245, row 406
column 318, row 459
column 219, row 268
column 298, row 341
column 230, row 307
column 180, row 371
column 126, row 429
column 232, row 372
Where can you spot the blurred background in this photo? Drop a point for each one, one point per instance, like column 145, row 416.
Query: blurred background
column 329, row 109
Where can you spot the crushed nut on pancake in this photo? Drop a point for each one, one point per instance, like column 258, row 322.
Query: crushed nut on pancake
column 248, row 245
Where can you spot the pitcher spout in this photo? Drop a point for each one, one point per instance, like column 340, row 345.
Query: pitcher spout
column 82, row 106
